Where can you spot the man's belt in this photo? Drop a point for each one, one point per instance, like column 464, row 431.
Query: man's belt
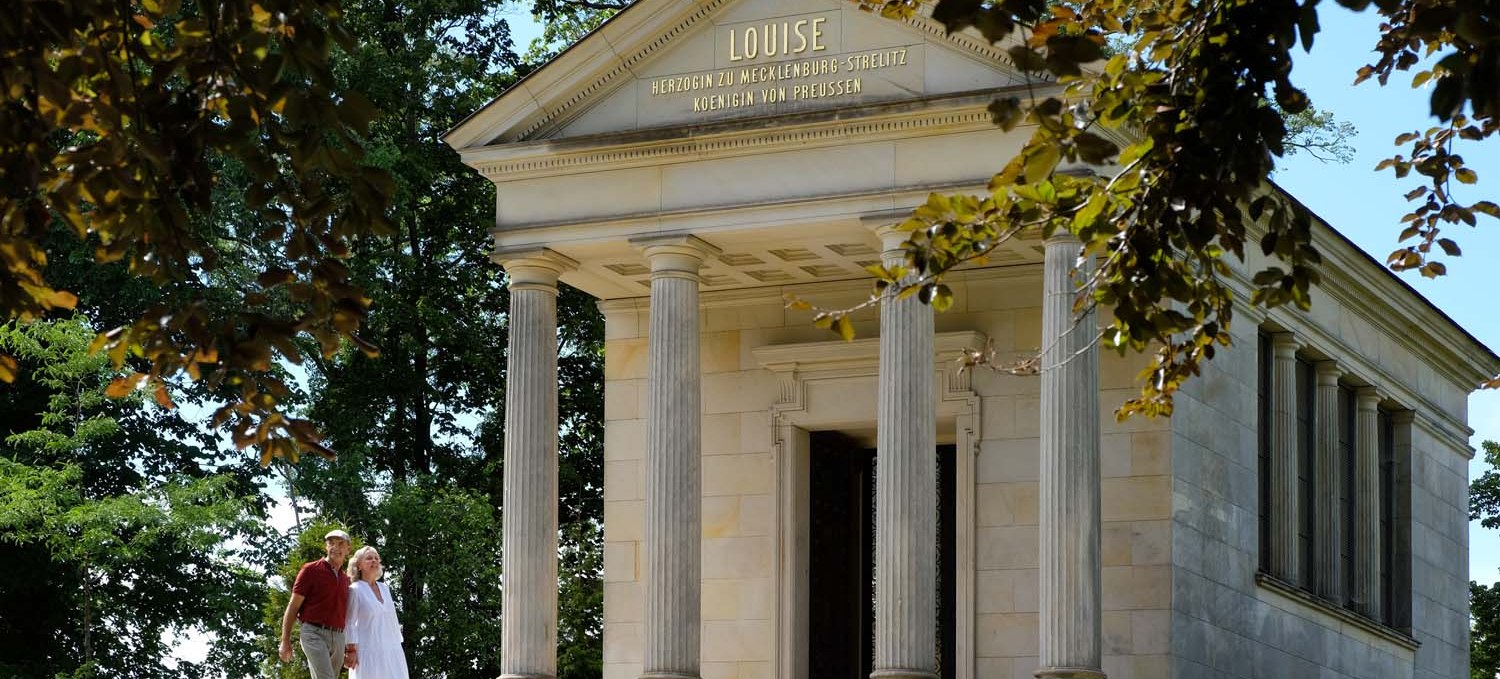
column 331, row 629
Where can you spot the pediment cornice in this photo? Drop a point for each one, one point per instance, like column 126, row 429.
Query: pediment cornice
column 552, row 95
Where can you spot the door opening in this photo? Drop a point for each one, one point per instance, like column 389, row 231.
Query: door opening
column 841, row 564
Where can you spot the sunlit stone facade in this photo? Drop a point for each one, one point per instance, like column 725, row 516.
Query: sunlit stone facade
column 691, row 163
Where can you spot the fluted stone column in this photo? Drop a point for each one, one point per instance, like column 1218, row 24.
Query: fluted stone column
column 1328, row 482
column 528, row 628
column 674, row 426
column 1284, row 496
column 905, row 487
column 1070, row 615
column 1367, row 503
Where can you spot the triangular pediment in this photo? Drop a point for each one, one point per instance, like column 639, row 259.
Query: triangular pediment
column 668, row 63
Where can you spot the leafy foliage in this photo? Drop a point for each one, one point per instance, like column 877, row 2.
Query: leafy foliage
column 1317, row 133
column 1484, row 601
column 121, row 122
column 110, row 552
column 1181, row 127
column 1484, row 492
column 1484, row 632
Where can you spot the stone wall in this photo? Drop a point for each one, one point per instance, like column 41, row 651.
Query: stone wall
column 740, row 608
column 1224, row 624
column 1136, row 500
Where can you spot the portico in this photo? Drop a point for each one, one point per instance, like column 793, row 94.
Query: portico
column 779, row 500
column 688, row 194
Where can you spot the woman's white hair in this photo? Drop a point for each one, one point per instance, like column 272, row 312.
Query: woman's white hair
column 353, row 566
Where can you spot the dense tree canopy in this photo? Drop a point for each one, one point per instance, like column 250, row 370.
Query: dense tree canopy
column 1484, row 600
column 122, row 119
column 418, row 424
column 118, row 530
column 1204, row 91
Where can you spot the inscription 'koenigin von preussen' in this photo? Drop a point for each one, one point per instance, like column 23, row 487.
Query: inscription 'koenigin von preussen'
column 778, row 80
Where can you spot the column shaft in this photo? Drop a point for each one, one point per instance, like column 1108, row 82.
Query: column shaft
column 1070, row 613
column 1285, row 563
column 528, row 629
column 1367, row 504
column 1328, row 485
column 905, row 489
column 673, row 448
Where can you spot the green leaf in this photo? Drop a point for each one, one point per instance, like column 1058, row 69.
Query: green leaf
column 844, row 328
column 942, row 298
column 1466, row 175
column 1137, row 150
column 1041, row 161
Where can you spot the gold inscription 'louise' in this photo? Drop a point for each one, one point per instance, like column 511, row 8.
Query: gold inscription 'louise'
column 773, row 39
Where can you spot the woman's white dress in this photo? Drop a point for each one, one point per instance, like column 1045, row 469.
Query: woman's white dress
column 372, row 625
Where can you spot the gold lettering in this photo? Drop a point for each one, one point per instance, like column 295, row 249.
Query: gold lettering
column 752, row 42
column 801, row 36
column 817, row 34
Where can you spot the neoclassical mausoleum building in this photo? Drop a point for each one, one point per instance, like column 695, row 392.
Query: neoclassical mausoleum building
column 781, row 503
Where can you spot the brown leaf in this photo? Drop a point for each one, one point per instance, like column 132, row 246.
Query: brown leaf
column 163, row 399
column 120, row 387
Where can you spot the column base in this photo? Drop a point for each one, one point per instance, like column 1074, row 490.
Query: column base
column 894, row 673
column 1069, row 673
column 527, row 676
column 668, row 675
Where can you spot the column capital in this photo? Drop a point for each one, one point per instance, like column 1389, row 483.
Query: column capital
column 1285, row 343
column 1062, row 237
column 1367, row 398
column 891, row 236
column 1329, row 371
column 676, row 255
column 533, row 268
column 1403, row 416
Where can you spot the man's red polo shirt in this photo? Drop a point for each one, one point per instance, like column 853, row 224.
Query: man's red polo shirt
column 325, row 592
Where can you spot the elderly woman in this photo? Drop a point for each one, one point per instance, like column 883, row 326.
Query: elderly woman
column 371, row 630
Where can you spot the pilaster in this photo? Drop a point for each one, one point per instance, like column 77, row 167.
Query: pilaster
column 1285, row 563
column 1328, row 485
column 1367, row 562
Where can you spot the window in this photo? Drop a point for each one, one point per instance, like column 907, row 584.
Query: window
column 1387, row 476
column 1307, row 456
column 1391, row 509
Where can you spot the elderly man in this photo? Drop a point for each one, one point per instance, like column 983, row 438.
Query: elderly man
column 320, row 597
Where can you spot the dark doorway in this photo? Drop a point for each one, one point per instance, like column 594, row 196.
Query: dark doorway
column 842, row 560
